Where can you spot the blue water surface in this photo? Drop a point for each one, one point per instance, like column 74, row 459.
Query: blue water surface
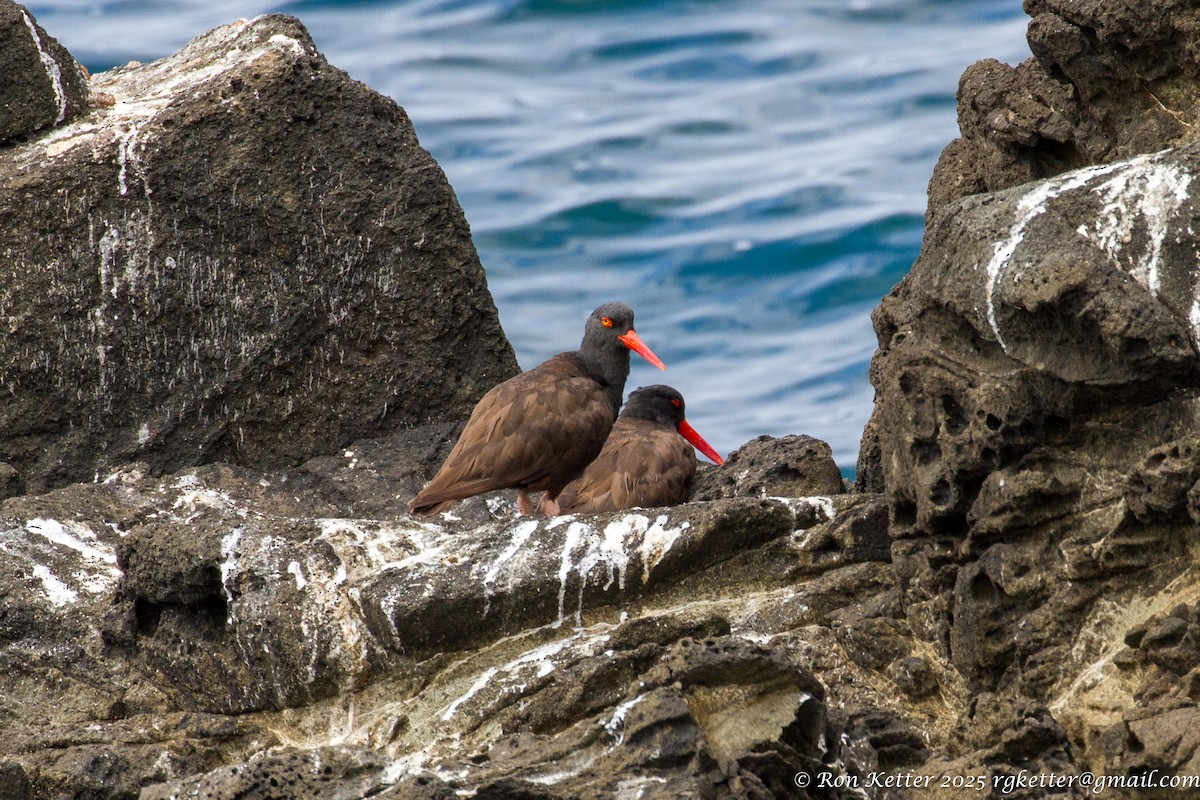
column 749, row 175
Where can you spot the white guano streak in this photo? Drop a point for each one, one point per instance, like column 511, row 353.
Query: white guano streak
column 229, row 544
column 1145, row 192
column 52, row 70
column 520, row 535
column 82, row 541
column 616, row 724
column 1030, row 206
column 657, row 541
column 574, row 531
column 476, row 687
column 57, row 592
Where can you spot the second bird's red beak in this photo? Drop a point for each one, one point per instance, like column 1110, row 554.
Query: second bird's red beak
column 635, row 343
column 689, row 433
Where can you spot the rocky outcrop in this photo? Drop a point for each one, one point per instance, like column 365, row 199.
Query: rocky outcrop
column 167, row 298
column 1108, row 81
column 43, row 85
column 1069, row 302
column 790, row 466
column 220, row 615
column 1038, row 391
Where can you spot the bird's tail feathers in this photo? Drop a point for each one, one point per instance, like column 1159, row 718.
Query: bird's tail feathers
column 431, row 500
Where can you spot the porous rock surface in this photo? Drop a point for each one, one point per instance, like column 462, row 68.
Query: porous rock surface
column 1011, row 593
column 791, row 466
column 1038, row 397
column 237, row 254
column 1108, row 80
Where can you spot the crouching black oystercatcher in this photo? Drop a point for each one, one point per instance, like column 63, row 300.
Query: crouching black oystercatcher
column 538, row 430
column 647, row 460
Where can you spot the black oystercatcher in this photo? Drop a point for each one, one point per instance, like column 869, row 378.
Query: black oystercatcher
column 647, row 460
column 538, row 430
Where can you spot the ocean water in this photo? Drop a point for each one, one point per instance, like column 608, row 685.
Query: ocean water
column 749, row 175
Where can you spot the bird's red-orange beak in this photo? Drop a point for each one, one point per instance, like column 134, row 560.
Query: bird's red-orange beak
column 689, row 433
column 635, row 343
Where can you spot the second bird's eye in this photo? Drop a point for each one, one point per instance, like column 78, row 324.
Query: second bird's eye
column 606, row 322
column 675, row 403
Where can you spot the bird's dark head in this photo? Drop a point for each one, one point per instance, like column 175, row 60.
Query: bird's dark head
column 611, row 327
column 658, row 403
column 665, row 406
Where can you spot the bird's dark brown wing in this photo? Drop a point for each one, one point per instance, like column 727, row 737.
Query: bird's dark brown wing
column 642, row 465
column 535, row 431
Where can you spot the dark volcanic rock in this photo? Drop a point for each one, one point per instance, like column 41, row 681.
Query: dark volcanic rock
column 1037, row 397
column 207, row 615
column 43, row 86
column 989, row 351
column 1036, row 404
column 11, row 484
column 1161, row 486
column 245, row 256
column 319, row 774
column 1159, row 733
column 1107, row 81
column 791, row 466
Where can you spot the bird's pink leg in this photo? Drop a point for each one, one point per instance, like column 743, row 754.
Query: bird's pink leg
column 550, row 505
column 524, row 503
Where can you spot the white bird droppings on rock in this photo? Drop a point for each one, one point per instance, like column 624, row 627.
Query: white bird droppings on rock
column 57, row 592
column 1029, row 208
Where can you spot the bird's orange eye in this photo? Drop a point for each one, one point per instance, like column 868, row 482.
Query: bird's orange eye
column 675, row 403
column 606, row 322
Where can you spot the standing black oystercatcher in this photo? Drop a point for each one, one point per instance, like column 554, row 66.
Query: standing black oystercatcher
column 647, row 460
column 538, row 430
